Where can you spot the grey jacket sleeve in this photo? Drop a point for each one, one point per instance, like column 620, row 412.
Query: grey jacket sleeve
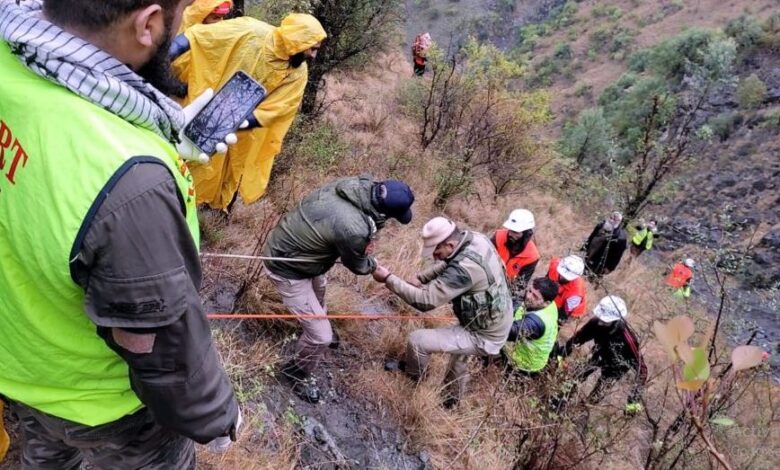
column 140, row 271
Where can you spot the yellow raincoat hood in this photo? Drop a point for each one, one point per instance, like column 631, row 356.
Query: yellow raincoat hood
column 218, row 51
column 297, row 33
column 198, row 11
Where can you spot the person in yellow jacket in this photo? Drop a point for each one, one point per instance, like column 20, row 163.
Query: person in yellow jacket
column 204, row 12
column 274, row 56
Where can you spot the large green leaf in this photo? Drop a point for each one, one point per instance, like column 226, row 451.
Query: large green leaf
column 746, row 357
column 698, row 368
column 674, row 333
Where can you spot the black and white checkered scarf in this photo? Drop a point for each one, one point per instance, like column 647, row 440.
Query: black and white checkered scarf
column 86, row 70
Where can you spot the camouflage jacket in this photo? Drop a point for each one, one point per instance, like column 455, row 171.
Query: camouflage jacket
column 472, row 278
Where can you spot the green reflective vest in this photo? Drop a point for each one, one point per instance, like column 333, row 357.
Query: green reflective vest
column 531, row 355
column 59, row 157
column 645, row 237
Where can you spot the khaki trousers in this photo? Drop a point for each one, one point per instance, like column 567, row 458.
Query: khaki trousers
column 307, row 297
column 456, row 340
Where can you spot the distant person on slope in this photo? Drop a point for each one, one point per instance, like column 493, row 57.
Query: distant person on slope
column 680, row 278
column 605, row 246
column 106, row 354
column 470, row 275
column 571, row 297
column 207, row 56
column 642, row 239
column 337, row 221
column 204, row 12
column 515, row 245
column 615, row 350
column 422, row 42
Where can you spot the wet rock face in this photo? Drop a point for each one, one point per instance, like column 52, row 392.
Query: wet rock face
column 766, row 257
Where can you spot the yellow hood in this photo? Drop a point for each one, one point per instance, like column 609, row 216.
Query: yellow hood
column 198, row 11
column 297, row 33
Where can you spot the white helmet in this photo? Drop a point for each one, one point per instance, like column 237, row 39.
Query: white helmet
column 571, row 267
column 611, row 308
column 520, row 220
column 689, row 262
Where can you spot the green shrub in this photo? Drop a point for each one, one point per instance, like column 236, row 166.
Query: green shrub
column 588, row 140
column 746, row 31
column 562, row 52
column 751, row 92
column 723, row 125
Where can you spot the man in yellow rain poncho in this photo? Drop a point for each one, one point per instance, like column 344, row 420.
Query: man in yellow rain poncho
column 204, row 12
column 275, row 57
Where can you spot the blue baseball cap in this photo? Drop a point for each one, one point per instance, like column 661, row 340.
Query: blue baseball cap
column 395, row 199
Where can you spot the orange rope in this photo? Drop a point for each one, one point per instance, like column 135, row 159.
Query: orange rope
column 273, row 316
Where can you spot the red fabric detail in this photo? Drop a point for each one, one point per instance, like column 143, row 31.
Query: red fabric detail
column 575, row 287
column 514, row 265
column 679, row 276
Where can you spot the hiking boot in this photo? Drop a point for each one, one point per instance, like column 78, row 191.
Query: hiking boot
column 303, row 384
column 307, row 391
column 336, row 342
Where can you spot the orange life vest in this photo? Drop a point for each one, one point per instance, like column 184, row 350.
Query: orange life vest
column 679, row 276
column 571, row 289
column 515, row 264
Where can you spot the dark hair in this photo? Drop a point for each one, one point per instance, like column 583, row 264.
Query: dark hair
column 455, row 236
column 547, row 287
column 93, row 15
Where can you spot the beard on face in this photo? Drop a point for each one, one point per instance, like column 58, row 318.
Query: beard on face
column 158, row 70
column 297, row 60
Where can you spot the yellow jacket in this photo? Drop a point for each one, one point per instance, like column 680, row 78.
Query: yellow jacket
column 197, row 12
column 263, row 51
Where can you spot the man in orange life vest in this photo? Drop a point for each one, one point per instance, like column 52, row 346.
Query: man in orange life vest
column 567, row 272
column 515, row 245
column 680, row 278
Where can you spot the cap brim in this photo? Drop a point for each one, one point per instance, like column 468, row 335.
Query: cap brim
column 601, row 315
column 567, row 275
column 427, row 251
column 404, row 218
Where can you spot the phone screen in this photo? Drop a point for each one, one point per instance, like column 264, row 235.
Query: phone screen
column 229, row 107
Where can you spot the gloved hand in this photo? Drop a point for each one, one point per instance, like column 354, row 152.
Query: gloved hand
column 633, row 408
column 221, row 444
column 185, row 147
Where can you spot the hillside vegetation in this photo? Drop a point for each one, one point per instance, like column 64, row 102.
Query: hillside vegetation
column 494, row 126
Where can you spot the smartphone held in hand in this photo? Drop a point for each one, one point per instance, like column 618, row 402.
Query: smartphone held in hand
column 223, row 115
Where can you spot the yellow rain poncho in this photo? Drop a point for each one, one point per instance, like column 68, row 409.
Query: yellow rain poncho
column 198, row 11
column 263, row 51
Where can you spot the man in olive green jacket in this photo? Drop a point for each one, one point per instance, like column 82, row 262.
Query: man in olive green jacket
column 338, row 220
column 470, row 274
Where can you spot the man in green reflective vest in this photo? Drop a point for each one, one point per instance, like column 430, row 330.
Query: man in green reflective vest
column 642, row 240
column 105, row 351
column 535, row 328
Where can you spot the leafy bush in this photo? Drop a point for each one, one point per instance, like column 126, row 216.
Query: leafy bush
column 751, row 92
column 673, row 59
column 746, row 31
column 588, row 140
column 724, row 124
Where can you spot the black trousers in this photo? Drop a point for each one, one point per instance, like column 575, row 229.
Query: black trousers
column 133, row 442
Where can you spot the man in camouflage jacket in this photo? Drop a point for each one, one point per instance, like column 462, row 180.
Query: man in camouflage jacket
column 471, row 276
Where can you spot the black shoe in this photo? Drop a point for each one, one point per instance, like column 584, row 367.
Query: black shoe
column 334, row 344
column 307, row 391
column 303, row 385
